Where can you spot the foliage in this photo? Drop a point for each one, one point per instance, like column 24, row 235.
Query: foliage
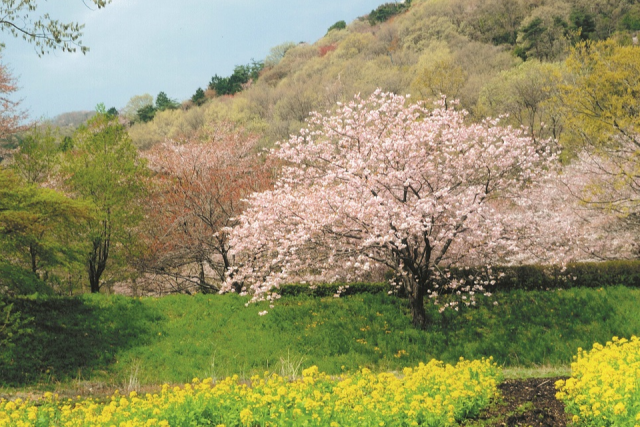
column 37, row 230
column 44, row 32
column 242, row 75
column 16, row 280
column 439, row 75
column 340, row 25
column 380, row 185
column 583, row 23
column 146, row 113
column 387, row 10
column 199, row 97
column 137, row 102
column 445, row 393
column 601, row 112
column 104, row 168
column 276, row 54
column 37, row 158
column 334, row 289
column 631, row 20
column 163, row 102
column 528, row 94
column 13, row 327
column 603, row 388
column 572, row 275
column 601, row 102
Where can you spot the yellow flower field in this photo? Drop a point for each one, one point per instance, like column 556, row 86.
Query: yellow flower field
column 604, row 388
column 432, row 394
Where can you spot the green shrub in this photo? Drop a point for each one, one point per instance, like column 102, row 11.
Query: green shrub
column 15, row 280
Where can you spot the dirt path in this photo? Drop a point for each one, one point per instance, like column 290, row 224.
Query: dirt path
column 526, row 402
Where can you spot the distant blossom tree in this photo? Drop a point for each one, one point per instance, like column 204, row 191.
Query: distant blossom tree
column 10, row 117
column 385, row 185
column 201, row 183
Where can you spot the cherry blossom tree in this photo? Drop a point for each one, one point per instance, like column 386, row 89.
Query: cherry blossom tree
column 201, row 182
column 381, row 184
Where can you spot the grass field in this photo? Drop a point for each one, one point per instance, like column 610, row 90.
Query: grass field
column 132, row 342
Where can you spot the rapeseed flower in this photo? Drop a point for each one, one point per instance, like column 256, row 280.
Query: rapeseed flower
column 434, row 394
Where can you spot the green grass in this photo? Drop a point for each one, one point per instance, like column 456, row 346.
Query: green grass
column 119, row 340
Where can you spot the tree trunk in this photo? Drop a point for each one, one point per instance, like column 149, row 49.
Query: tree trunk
column 416, row 303
column 98, row 257
column 202, row 281
column 33, row 252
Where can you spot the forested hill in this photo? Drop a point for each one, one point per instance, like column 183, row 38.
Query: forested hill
column 477, row 51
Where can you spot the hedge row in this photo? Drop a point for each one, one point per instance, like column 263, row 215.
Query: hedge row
column 528, row 277
column 585, row 275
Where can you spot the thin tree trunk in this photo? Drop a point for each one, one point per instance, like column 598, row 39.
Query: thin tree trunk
column 98, row 258
column 202, row 282
column 34, row 259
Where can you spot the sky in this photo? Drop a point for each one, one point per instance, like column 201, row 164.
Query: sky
column 149, row 46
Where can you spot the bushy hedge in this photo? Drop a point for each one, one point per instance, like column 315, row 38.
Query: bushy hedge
column 526, row 277
column 544, row 277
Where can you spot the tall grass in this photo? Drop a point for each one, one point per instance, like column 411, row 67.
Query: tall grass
column 176, row 338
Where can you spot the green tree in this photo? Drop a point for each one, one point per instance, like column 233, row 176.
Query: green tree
column 37, row 157
column 45, row 32
column 526, row 93
column 146, row 114
column 130, row 111
column 583, row 23
column 242, row 74
column 602, row 103
column 387, row 10
column 104, row 168
column 199, row 97
column 38, row 226
column 437, row 74
column 340, row 25
column 163, row 102
column 276, row 54
column 602, row 110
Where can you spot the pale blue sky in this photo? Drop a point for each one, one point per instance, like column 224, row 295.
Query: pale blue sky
column 148, row 46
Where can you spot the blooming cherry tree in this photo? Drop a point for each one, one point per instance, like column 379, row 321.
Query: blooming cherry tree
column 383, row 185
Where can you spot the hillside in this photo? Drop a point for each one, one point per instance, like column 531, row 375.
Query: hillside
column 479, row 52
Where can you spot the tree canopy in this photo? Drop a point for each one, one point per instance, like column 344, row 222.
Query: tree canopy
column 21, row 19
column 104, row 168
